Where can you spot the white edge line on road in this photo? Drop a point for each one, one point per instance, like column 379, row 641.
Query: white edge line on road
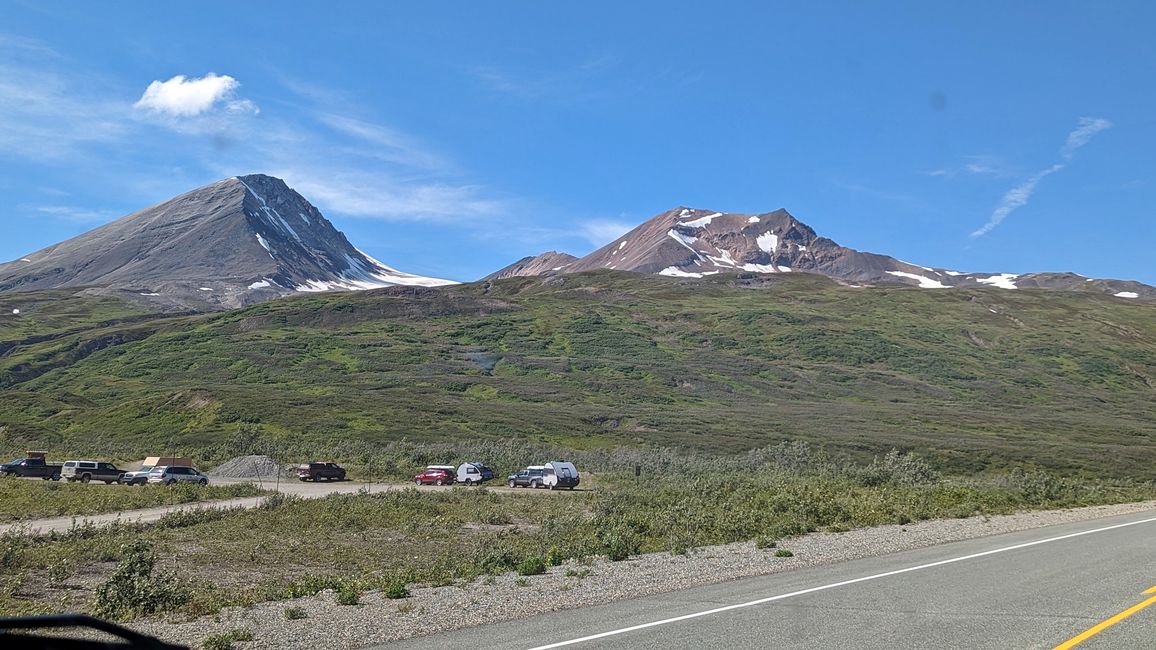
column 835, row 584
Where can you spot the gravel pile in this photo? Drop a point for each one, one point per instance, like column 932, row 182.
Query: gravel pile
column 248, row 467
column 428, row 610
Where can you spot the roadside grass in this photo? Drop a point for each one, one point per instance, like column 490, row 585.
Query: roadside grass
column 22, row 499
column 391, row 541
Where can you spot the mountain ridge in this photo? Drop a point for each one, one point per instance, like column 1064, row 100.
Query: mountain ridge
column 694, row 243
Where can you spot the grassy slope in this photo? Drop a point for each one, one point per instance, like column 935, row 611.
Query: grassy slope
column 971, row 378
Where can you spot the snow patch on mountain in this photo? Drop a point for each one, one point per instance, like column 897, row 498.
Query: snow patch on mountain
column 702, row 222
column 924, row 282
column 260, row 284
column 767, row 242
column 1127, row 294
column 753, row 220
column 1003, row 280
column 674, row 271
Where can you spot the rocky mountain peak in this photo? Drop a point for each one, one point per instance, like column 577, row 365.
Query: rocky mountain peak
column 233, row 242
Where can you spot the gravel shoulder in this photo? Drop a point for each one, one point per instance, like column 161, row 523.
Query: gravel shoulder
column 435, row 609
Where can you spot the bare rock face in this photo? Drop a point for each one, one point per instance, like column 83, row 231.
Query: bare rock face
column 548, row 263
column 238, row 241
column 691, row 243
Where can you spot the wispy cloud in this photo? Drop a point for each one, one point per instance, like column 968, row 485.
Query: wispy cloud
column 977, row 165
column 183, row 97
column 73, row 213
column 1018, row 196
column 374, row 196
column 603, row 231
column 47, row 114
column 1088, row 127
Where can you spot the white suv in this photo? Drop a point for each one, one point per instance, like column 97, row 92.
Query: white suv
column 170, row 474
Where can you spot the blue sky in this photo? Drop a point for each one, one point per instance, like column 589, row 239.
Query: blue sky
column 452, row 138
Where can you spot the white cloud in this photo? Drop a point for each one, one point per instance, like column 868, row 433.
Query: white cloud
column 1019, row 195
column 75, row 214
column 1015, row 198
column 381, row 196
column 1088, row 127
column 183, row 97
column 603, row 231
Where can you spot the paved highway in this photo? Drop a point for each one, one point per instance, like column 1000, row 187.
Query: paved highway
column 1031, row 589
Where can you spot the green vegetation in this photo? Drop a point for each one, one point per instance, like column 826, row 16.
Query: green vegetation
column 974, row 380
column 21, row 499
column 295, row 613
column 390, row 541
column 226, row 640
column 136, row 588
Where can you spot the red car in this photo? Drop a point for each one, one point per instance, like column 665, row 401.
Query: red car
column 435, row 475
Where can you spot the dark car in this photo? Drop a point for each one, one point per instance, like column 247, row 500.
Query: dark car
column 320, row 471
column 33, row 466
column 532, row 476
column 434, row 475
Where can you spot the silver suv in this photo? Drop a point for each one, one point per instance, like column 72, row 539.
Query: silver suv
column 169, row 475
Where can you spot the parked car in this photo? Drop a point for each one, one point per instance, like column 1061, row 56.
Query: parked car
column 169, row 475
column 317, row 471
column 533, row 476
column 141, row 476
column 88, row 470
column 34, row 466
column 437, row 475
column 137, row 477
column 473, row 473
column 560, row 474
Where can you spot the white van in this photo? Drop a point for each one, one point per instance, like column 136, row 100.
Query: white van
column 560, row 474
column 473, row 473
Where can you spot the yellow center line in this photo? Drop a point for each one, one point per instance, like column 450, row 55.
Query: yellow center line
column 1093, row 631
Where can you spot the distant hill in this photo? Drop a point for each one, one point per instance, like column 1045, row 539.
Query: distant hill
column 686, row 242
column 234, row 242
column 548, row 263
column 974, row 378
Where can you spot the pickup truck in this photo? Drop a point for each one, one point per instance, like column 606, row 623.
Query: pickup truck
column 33, row 466
column 90, row 470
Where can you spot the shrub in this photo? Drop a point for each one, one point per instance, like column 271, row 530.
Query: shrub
column 295, row 613
column 136, row 588
column 395, row 590
column 225, row 641
column 763, row 542
column 348, row 596
column 531, row 566
column 782, row 552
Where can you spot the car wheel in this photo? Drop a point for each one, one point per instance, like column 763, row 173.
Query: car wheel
column 439, row 482
column 85, row 479
column 171, row 482
column 469, row 482
column 203, row 481
column 417, row 481
column 513, row 484
column 535, row 484
column 56, row 477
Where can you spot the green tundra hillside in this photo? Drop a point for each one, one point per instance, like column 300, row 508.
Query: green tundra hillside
column 971, row 378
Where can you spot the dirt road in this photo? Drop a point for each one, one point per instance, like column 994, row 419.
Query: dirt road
column 289, row 486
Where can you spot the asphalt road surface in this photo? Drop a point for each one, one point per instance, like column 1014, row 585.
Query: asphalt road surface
column 1032, row 589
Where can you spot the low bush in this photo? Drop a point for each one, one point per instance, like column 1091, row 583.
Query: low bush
column 136, row 588
column 531, row 566
column 226, row 640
